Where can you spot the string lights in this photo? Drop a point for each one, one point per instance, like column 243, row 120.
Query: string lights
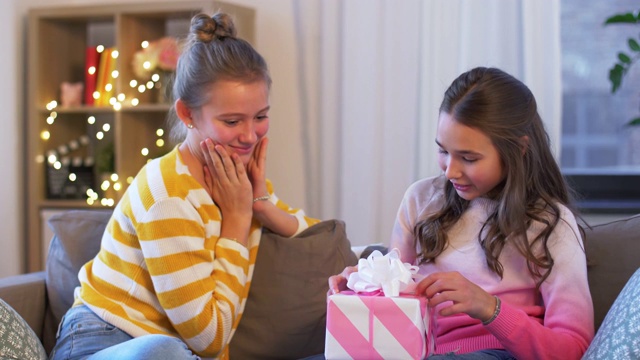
column 58, row 158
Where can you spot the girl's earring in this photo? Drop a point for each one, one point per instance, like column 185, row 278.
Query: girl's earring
column 190, row 126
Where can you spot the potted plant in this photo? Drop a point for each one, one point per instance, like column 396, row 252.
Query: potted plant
column 625, row 60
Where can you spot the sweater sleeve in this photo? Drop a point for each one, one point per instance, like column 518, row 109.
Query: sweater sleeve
column 420, row 199
column 567, row 328
column 304, row 221
column 198, row 277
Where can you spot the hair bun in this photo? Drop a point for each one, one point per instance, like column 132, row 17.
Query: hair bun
column 205, row 28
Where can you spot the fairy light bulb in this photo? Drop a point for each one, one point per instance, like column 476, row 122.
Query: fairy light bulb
column 160, row 132
column 144, row 44
column 146, row 65
column 106, row 127
column 144, row 151
column 133, row 83
column 135, row 102
column 115, row 74
column 100, row 48
column 115, row 54
column 72, row 177
column 159, row 143
column 91, row 70
column 99, row 135
column 91, row 120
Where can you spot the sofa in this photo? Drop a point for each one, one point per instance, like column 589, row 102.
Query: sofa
column 296, row 269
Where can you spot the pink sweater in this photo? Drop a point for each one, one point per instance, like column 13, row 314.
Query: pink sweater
column 553, row 323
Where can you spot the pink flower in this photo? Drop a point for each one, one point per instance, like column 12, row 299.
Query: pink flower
column 160, row 54
column 168, row 53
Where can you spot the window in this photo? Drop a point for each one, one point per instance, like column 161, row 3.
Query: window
column 600, row 154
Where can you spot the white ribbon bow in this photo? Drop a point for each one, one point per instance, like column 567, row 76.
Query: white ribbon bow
column 383, row 272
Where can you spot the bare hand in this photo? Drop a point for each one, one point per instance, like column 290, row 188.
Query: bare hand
column 338, row 282
column 466, row 296
column 257, row 168
column 227, row 181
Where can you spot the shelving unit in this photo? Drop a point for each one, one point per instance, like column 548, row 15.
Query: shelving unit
column 57, row 40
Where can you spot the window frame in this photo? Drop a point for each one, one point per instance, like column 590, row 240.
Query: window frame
column 606, row 193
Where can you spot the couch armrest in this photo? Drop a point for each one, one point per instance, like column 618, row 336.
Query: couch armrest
column 26, row 294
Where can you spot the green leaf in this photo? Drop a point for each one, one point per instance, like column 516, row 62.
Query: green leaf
column 634, row 122
column 627, row 18
column 615, row 76
column 624, row 58
column 633, row 44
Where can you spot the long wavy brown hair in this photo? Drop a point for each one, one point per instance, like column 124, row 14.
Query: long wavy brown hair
column 503, row 108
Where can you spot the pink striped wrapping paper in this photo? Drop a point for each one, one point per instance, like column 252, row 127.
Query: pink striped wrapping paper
column 377, row 327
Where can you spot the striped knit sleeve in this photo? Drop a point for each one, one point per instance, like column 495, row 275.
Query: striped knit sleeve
column 199, row 278
column 303, row 221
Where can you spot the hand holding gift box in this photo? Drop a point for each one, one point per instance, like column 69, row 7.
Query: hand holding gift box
column 381, row 318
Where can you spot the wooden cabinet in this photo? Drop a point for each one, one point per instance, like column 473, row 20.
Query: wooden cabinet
column 71, row 149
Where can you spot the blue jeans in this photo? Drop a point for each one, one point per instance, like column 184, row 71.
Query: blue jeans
column 84, row 335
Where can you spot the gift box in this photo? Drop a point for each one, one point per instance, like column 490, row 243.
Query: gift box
column 380, row 318
column 378, row 327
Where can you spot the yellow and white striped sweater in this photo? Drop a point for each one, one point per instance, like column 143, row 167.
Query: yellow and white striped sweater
column 162, row 267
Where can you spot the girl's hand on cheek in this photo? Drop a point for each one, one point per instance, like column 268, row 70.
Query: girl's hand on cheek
column 257, row 168
column 465, row 296
column 227, row 180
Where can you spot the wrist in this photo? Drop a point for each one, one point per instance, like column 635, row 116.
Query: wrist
column 261, row 207
column 261, row 198
column 496, row 312
column 235, row 227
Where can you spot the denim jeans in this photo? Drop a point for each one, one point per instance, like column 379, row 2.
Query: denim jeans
column 84, row 335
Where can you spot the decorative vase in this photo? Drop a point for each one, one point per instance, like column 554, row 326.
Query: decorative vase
column 163, row 87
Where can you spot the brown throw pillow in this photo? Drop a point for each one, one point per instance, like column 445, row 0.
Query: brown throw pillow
column 285, row 314
column 612, row 253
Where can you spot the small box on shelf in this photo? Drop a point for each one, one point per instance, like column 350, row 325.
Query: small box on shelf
column 70, row 178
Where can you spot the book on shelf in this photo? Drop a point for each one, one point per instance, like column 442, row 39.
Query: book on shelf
column 92, row 61
column 105, row 82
